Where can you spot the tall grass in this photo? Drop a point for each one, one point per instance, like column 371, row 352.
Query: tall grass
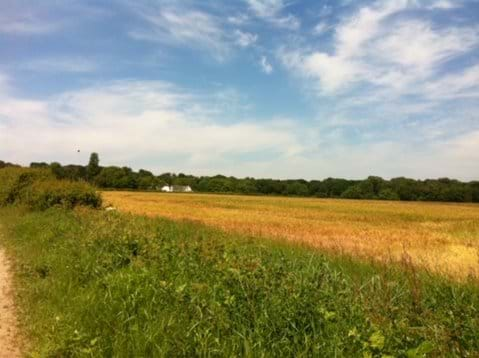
column 436, row 236
column 93, row 283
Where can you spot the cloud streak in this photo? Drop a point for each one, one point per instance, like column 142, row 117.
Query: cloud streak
column 176, row 26
column 271, row 12
column 106, row 119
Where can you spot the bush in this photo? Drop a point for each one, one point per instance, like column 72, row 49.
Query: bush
column 14, row 180
column 38, row 189
column 42, row 195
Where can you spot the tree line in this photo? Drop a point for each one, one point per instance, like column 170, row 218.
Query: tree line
column 373, row 187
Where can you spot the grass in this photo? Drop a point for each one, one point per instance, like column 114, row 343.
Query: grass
column 442, row 238
column 94, row 283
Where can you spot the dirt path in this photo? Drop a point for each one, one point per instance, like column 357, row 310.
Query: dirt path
column 9, row 344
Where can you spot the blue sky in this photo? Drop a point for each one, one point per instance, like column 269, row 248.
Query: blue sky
column 264, row 88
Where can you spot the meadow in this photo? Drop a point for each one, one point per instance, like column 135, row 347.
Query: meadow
column 219, row 275
column 95, row 283
column 439, row 237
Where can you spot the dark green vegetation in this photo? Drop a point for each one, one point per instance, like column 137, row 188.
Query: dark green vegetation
column 39, row 189
column 371, row 188
column 104, row 284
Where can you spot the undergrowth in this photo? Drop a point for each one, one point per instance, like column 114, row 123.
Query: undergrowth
column 39, row 190
column 96, row 283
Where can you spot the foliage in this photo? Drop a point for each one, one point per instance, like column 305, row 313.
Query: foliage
column 373, row 187
column 13, row 181
column 93, row 167
column 42, row 195
column 104, row 284
column 38, row 189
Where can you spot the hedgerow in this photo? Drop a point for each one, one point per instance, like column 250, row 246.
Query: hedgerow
column 38, row 189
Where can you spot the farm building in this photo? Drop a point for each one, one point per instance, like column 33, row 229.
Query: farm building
column 177, row 189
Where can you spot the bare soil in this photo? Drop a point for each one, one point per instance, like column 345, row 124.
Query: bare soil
column 9, row 339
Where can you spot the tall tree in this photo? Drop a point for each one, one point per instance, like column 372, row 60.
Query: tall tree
column 93, row 167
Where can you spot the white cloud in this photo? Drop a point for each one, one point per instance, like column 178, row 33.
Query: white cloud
column 238, row 20
column 265, row 8
column 270, row 11
column 184, row 27
column 163, row 128
column 245, row 39
column 27, row 25
column 321, row 28
column 444, row 4
column 289, row 22
column 392, row 54
column 125, row 121
column 416, row 44
column 464, row 84
column 265, row 65
column 63, row 64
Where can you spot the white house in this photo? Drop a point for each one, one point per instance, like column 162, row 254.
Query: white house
column 177, row 189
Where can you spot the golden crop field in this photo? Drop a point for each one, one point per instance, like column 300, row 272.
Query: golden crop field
column 440, row 237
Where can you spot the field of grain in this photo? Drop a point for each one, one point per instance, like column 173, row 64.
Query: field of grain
column 443, row 238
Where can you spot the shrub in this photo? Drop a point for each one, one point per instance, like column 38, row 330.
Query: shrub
column 42, row 195
column 38, row 189
column 14, row 180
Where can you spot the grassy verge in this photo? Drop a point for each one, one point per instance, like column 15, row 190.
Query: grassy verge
column 106, row 284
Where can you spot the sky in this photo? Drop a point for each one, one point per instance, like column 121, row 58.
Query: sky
column 250, row 88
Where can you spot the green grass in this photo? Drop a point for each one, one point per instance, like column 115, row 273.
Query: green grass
column 92, row 283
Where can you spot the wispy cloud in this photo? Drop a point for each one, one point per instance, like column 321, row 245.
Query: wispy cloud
column 26, row 25
column 178, row 26
column 272, row 12
column 245, row 39
column 444, row 4
column 62, row 64
column 265, row 65
column 368, row 52
column 238, row 19
column 321, row 28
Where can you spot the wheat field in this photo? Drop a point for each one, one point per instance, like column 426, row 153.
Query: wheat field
column 439, row 237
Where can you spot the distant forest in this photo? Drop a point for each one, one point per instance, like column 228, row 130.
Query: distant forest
column 112, row 177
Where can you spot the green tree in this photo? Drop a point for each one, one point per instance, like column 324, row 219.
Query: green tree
column 93, row 167
column 388, row 194
column 57, row 170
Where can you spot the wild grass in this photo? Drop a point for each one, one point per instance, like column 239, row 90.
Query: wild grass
column 93, row 283
column 439, row 237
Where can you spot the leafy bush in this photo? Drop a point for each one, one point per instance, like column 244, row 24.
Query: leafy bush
column 14, row 180
column 38, row 189
column 42, row 195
